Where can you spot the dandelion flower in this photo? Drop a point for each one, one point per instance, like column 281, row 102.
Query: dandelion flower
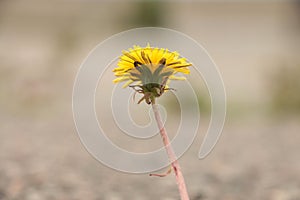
column 150, row 69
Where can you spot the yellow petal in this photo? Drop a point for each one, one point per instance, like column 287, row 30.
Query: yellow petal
column 182, row 70
column 127, row 83
column 119, row 79
column 181, row 78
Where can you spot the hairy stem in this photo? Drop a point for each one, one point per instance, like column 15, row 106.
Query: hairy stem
column 172, row 157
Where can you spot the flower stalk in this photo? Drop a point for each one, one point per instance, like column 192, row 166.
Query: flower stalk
column 172, row 157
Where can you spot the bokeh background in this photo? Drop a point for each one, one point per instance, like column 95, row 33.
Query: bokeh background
column 256, row 46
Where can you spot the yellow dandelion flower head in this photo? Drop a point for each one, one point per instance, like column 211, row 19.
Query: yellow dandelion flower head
column 150, row 65
column 151, row 69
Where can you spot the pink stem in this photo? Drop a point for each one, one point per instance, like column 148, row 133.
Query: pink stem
column 172, row 157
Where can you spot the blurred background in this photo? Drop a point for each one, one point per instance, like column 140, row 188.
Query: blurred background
column 256, row 46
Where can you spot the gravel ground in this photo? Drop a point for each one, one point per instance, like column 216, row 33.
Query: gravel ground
column 44, row 159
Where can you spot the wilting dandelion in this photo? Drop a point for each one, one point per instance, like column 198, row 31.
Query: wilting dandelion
column 148, row 71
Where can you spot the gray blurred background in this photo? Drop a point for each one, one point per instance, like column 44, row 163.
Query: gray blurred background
column 256, row 46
